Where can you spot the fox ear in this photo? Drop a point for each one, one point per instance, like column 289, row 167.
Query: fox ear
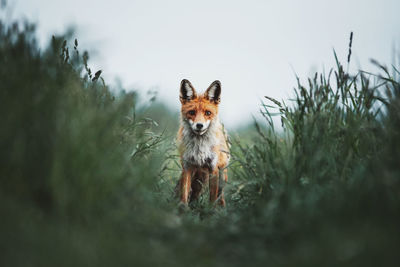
column 214, row 91
column 187, row 91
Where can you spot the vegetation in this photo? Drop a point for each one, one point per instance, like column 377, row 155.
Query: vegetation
column 87, row 176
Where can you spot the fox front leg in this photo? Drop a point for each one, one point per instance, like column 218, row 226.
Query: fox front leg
column 185, row 184
column 214, row 184
column 223, row 178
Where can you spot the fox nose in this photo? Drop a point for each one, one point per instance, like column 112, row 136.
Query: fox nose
column 199, row 126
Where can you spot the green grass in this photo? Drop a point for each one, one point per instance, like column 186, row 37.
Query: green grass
column 87, row 176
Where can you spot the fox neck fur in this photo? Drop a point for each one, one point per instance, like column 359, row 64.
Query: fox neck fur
column 199, row 150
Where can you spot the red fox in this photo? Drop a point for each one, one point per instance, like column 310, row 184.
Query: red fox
column 202, row 143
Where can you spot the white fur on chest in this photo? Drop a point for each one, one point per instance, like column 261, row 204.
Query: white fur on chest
column 198, row 150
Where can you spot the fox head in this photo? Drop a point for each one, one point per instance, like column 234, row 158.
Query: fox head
column 199, row 111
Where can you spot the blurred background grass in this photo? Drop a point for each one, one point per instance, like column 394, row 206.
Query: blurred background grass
column 87, row 175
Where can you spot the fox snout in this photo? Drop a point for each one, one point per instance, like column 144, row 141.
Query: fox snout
column 199, row 127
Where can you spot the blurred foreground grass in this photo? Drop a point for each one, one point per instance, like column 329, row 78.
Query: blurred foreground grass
column 86, row 175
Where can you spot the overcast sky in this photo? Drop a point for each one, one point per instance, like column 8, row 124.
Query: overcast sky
column 253, row 47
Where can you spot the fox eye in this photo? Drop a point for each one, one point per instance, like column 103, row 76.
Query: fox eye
column 192, row 112
column 208, row 113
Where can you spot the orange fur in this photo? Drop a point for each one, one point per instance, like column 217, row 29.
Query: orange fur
column 202, row 109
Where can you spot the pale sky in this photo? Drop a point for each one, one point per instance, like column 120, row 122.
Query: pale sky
column 252, row 47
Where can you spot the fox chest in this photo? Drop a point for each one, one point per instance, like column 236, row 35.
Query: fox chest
column 197, row 154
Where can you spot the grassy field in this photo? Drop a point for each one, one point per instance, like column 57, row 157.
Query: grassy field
column 87, row 175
